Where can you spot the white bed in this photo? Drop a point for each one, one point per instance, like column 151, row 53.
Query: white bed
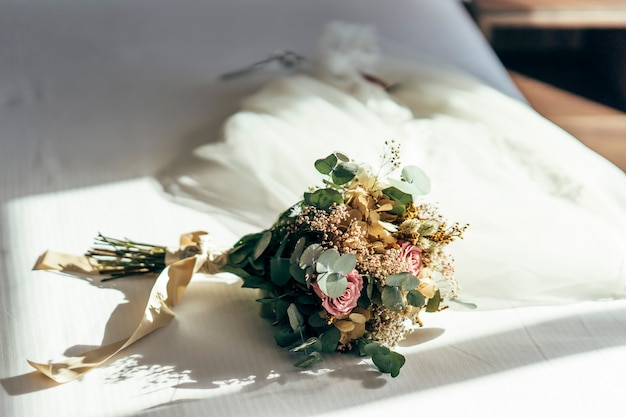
column 98, row 97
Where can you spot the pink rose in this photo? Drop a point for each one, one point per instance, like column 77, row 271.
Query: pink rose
column 342, row 305
column 412, row 255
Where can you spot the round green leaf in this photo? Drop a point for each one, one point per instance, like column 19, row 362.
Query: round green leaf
column 404, row 280
column 415, row 298
column 326, row 165
column 297, row 273
column 344, row 173
column 389, row 363
column 342, row 157
column 323, row 198
column 327, row 260
column 316, row 321
column 414, row 181
column 330, row 339
column 332, row 284
column 392, row 299
column 345, row 264
column 433, row 303
column 262, row 244
column 310, row 255
column 280, row 270
column 374, row 348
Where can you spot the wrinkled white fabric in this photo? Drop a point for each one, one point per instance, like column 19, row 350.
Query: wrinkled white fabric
column 547, row 214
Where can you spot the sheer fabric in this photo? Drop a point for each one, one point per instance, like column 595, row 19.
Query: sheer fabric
column 546, row 213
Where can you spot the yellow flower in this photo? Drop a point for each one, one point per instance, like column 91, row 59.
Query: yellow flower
column 352, row 327
column 370, row 206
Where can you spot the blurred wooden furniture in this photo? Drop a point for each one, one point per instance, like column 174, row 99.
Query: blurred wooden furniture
column 572, row 14
column 599, row 127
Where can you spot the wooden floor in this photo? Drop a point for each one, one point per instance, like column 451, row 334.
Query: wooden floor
column 600, row 127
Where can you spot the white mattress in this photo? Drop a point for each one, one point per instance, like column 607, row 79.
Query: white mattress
column 99, row 96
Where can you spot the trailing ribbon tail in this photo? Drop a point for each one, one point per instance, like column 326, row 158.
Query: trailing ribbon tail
column 164, row 295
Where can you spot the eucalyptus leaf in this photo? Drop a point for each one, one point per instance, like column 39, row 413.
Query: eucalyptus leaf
column 330, row 339
column 370, row 348
column 310, row 255
column 280, row 308
column 414, row 181
column 297, row 251
column 285, row 336
column 253, row 281
column 327, row 260
column 297, row 273
column 415, row 298
column 239, row 254
column 389, row 363
column 258, row 265
column 392, row 299
column 311, row 359
column 316, row 321
column 404, row 280
column 342, row 157
column 332, row 284
column 433, row 304
column 344, row 173
column 326, row 165
column 262, row 244
column 324, row 198
column 345, row 264
column 370, row 287
column 397, row 195
column 280, row 271
column 295, row 317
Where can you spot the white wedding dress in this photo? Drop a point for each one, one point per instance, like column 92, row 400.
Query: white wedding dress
column 547, row 215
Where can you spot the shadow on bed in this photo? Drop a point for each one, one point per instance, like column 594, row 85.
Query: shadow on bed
column 219, row 342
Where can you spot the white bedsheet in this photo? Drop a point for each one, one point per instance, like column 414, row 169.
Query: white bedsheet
column 98, row 96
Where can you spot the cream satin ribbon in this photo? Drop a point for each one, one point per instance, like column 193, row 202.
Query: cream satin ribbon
column 165, row 294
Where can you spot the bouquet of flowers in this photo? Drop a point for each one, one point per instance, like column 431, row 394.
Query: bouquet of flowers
column 348, row 268
column 351, row 266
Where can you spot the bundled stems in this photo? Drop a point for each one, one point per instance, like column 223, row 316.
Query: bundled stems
column 120, row 258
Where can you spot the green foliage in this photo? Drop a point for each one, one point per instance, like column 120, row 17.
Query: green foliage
column 414, row 181
column 392, row 295
column 326, row 165
column 400, row 200
column 338, row 168
column 286, row 336
column 324, row 198
column 311, row 359
column 318, row 323
column 296, row 321
column 415, row 298
column 330, row 339
column 262, row 244
column 280, row 270
column 433, row 303
column 332, row 268
column 286, row 259
column 386, row 360
column 405, row 280
column 344, row 173
column 392, row 299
